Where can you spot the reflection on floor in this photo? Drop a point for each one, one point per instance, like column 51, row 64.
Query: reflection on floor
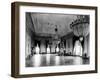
column 54, row 60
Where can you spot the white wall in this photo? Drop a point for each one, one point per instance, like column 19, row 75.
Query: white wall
column 27, row 37
column 5, row 41
column 28, row 45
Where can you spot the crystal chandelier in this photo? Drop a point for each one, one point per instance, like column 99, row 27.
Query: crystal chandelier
column 80, row 26
column 56, row 38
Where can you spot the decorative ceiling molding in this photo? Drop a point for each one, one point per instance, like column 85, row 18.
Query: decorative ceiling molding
column 44, row 24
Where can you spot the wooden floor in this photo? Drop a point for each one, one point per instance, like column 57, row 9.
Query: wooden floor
column 54, row 60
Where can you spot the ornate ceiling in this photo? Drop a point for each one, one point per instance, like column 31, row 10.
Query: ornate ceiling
column 45, row 24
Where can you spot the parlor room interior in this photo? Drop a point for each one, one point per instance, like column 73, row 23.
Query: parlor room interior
column 56, row 39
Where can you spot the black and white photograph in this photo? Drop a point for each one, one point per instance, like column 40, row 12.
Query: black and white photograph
column 56, row 39
column 52, row 39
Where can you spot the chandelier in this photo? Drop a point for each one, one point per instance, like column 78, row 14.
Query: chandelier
column 80, row 26
column 56, row 38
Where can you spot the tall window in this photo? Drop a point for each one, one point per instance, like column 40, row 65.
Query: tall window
column 78, row 48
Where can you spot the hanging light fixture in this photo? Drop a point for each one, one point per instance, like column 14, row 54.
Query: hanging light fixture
column 56, row 38
column 80, row 26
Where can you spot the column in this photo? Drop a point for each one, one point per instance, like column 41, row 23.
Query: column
column 85, row 46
